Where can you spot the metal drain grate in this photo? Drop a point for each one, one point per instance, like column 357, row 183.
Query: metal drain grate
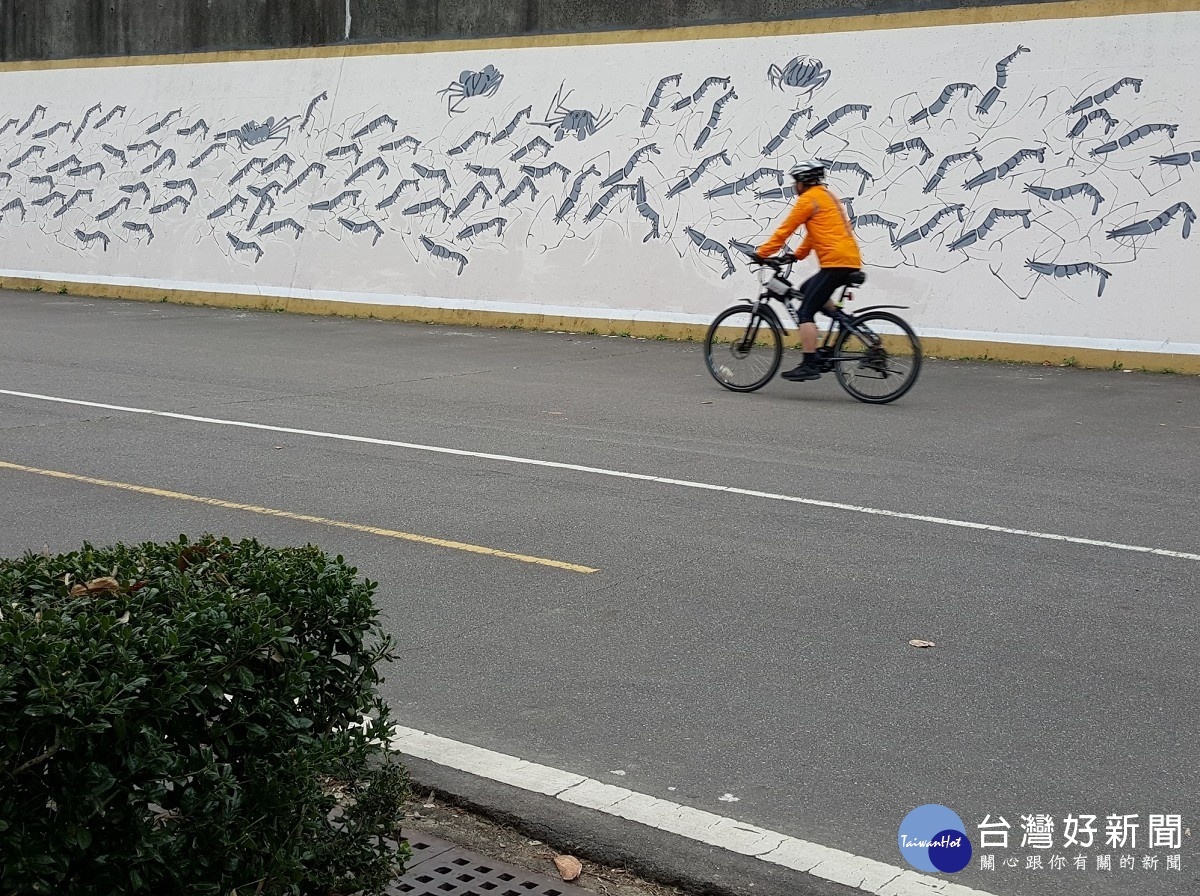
column 439, row 868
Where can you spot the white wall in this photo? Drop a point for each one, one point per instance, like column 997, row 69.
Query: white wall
column 1132, row 292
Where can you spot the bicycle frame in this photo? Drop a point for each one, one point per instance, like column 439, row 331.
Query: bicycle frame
column 838, row 353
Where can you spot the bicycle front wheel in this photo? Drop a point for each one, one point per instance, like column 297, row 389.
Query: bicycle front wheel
column 743, row 348
column 881, row 364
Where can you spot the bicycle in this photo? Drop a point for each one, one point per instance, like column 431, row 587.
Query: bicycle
column 874, row 354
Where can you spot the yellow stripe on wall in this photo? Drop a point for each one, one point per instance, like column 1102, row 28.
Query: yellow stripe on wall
column 970, row 15
column 934, row 347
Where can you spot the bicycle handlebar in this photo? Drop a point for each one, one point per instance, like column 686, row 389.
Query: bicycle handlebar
column 776, row 262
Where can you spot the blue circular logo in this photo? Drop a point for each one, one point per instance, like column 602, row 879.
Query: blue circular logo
column 933, row 838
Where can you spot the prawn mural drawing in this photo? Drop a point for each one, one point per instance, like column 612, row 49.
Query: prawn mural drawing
column 363, row 227
column 525, row 186
column 315, row 168
column 431, row 205
column 947, row 163
column 971, row 237
column 937, row 106
column 406, row 142
column 96, row 236
column 286, row 224
column 466, row 201
column 568, row 204
column 929, row 226
column 1105, row 95
column 686, row 155
column 602, row 204
column 786, row 131
column 744, row 183
column 700, row 91
column 1004, row 169
column 713, row 118
column 624, row 173
column 1127, row 140
column 511, row 128
column 468, row 143
column 536, row 143
column 1060, row 194
column 553, row 168
column 240, row 245
column 474, row 230
column 363, row 170
column 441, row 252
column 694, row 178
column 908, row 145
column 433, row 174
column 1101, row 114
column 308, row 113
column 1047, row 269
column 706, row 245
column 87, row 116
column 1154, row 225
column 373, row 126
column 837, row 115
column 656, row 97
column 993, row 94
column 139, row 227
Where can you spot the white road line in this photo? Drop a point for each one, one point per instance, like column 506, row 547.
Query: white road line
column 828, row 864
column 600, row 471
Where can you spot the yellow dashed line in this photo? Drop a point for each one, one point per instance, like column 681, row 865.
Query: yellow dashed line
column 302, row 517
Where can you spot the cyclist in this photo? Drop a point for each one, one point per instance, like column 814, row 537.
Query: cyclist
column 828, row 234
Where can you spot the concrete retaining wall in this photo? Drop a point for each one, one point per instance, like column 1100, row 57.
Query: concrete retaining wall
column 65, row 29
column 1025, row 182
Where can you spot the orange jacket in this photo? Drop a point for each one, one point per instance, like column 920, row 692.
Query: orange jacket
column 827, row 231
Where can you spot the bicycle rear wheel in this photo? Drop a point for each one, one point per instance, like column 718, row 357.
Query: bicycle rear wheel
column 743, row 348
column 882, row 371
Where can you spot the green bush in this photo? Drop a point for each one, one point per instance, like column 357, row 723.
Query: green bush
column 189, row 717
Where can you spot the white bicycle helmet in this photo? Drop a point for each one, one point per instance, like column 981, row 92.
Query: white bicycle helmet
column 809, row 171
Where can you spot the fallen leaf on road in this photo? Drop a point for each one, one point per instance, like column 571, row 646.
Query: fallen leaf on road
column 568, row 867
column 917, row 642
column 729, row 798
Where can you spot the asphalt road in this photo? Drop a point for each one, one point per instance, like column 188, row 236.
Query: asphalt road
column 729, row 643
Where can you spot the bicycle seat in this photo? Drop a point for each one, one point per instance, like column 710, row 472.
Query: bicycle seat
column 858, row 278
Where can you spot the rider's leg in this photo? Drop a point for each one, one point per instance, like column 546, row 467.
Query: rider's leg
column 808, row 338
column 817, row 291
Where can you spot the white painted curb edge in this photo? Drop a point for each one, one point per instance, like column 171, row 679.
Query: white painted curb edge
column 828, row 864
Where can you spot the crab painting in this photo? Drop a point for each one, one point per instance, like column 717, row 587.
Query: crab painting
column 566, row 120
column 469, row 84
column 252, row 133
column 805, row 73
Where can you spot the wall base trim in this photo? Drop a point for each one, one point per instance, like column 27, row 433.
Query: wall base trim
column 936, row 347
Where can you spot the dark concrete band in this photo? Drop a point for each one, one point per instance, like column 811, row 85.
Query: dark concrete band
column 68, row 29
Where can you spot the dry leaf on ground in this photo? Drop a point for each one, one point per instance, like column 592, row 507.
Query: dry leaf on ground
column 917, row 642
column 568, row 867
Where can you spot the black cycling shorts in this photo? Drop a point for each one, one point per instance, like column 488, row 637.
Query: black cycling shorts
column 819, row 289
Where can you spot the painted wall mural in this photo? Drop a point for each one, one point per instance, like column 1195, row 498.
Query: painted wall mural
column 1037, row 180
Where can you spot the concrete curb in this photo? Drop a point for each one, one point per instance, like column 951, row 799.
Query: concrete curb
column 654, row 855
